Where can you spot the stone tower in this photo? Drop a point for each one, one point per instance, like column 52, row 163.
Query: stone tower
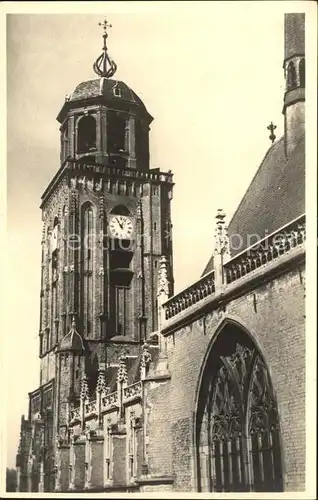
column 294, row 69
column 106, row 223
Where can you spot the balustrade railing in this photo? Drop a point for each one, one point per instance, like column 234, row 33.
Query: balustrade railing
column 132, row 392
column 75, row 414
column 109, row 400
column 193, row 294
column 122, row 172
column 91, row 408
column 266, row 250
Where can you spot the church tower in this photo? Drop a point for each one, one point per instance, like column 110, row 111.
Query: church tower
column 294, row 70
column 106, row 223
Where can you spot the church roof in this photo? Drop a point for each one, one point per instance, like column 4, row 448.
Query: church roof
column 111, row 90
column 113, row 93
column 275, row 196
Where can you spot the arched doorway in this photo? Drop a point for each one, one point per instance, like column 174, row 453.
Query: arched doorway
column 237, row 426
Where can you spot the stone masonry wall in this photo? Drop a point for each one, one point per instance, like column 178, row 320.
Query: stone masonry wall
column 274, row 316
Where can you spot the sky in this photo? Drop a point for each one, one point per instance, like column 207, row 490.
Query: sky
column 210, row 73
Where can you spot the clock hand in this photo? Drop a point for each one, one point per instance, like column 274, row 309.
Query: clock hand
column 120, row 225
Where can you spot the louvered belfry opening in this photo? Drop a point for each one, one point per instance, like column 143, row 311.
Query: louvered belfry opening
column 238, row 440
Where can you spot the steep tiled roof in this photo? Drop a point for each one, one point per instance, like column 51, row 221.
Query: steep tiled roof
column 294, row 34
column 275, row 196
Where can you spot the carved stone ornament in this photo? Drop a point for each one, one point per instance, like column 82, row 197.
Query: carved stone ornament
column 221, row 236
column 102, row 206
column 89, row 185
column 139, row 210
column 145, row 357
column 122, row 375
column 101, row 382
column 84, row 395
column 99, row 185
column 163, row 282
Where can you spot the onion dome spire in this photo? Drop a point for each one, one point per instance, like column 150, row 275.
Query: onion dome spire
column 104, row 66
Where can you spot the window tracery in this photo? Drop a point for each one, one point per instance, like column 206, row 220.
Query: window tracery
column 238, row 447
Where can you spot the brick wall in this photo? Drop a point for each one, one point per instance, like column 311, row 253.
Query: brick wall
column 273, row 314
column 157, row 428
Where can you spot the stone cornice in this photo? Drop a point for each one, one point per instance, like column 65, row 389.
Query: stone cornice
column 72, row 167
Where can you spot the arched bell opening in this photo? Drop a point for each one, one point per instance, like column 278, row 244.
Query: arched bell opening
column 86, row 134
column 237, row 424
column 291, row 76
column 302, row 78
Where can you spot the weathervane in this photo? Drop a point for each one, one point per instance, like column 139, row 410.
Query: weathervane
column 104, row 66
column 272, row 127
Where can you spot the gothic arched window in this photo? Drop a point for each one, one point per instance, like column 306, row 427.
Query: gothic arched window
column 302, row 76
column 87, row 265
column 86, row 134
column 291, row 76
column 237, row 425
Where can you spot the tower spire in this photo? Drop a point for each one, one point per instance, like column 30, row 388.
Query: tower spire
column 104, row 66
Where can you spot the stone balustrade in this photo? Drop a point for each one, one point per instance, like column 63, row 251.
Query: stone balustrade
column 90, row 408
column 75, row 414
column 266, row 250
column 151, row 175
column 132, row 392
column 109, row 400
column 260, row 254
column 191, row 295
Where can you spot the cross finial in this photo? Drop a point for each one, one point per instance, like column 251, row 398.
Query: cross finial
column 272, row 127
column 105, row 25
column 104, row 66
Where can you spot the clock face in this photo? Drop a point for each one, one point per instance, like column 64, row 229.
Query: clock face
column 121, row 227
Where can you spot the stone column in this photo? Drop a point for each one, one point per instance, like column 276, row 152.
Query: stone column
column 41, row 481
column 88, row 461
column 101, row 390
column 84, row 398
column 162, row 297
column 122, row 378
column 132, row 142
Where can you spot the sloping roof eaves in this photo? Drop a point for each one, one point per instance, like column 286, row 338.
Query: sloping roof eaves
column 275, row 196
